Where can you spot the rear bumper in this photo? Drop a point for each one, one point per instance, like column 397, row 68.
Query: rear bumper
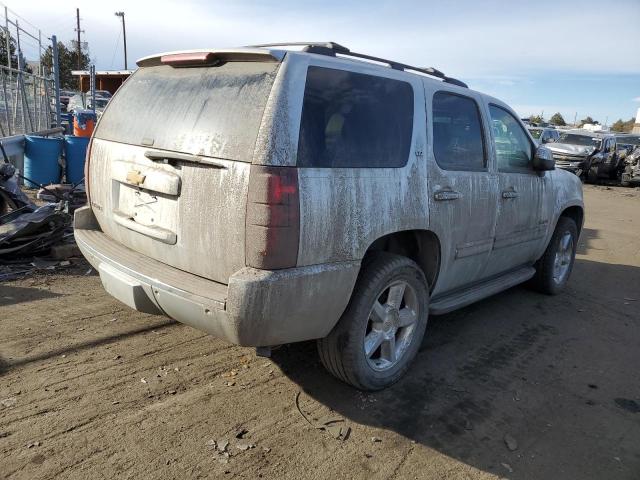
column 256, row 308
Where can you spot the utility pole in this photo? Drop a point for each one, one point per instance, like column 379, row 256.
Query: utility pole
column 79, row 63
column 124, row 37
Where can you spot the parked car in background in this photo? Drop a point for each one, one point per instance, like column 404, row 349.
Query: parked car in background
column 543, row 134
column 65, row 96
column 82, row 101
column 76, row 102
column 103, row 93
column 587, row 154
column 631, row 173
column 626, row 143
column 100, row 104
column 303, row 195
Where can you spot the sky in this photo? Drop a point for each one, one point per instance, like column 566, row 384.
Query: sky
column 578, row 58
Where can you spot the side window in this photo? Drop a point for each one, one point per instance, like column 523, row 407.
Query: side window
column 513, row 149
column 457, row 133
column 353, row 120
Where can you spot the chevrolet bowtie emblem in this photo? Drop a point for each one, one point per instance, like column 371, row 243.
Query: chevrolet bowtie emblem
column 135, row 177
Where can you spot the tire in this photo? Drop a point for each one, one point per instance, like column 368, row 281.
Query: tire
column 551, row 278
column 342, row 352
column 583, row 177
column 592, row 174
column 625, row 178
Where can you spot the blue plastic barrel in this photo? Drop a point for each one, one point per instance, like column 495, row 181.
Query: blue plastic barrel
column 41, row 160
column 75, row 152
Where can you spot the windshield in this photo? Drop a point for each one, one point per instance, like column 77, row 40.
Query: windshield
column 628, row 140
column 101, row 102
column 582, row 140
column 209, row 111
column 535, row 132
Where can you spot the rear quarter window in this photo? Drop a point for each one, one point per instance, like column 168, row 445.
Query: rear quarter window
column 354, row 120
column 209, row 111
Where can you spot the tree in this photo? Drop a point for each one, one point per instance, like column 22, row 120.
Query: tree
column 557, row 119
column 623, row 126
column 12, row 49
column 537, row 119
column 588, row 120
column 68, row 61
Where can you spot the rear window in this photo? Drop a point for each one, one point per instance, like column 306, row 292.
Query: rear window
column 354, row 120
column 209, row 111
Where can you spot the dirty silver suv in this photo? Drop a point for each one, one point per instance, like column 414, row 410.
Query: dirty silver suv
column 269, row 195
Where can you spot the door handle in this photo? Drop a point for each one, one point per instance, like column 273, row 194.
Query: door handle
column 510, row 194
column 444, row 195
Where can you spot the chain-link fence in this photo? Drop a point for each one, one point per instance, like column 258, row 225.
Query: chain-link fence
column 26, row 104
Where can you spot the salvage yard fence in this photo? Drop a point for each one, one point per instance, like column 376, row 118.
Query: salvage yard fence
column 25, row 102
column 28, row 99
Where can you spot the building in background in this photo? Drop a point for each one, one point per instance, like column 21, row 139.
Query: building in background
column 594, row 127
column 636, row 127
column 109, row 80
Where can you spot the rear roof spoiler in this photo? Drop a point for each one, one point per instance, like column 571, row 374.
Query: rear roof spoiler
column 212, row 56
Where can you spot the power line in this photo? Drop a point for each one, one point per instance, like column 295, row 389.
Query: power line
column 20, row 16
column 17, row 15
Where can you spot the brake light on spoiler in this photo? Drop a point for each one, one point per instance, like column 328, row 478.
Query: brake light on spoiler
column 195, row 58
column 189, row 59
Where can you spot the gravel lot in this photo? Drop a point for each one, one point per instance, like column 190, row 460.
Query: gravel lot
column 519, row 386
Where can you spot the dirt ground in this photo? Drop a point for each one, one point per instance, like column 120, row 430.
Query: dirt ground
column 519, row 386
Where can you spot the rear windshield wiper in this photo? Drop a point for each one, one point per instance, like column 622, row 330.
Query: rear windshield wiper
column 182, row 157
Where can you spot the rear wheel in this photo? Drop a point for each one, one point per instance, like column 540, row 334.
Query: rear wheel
column 554, row 268
column 381, row 330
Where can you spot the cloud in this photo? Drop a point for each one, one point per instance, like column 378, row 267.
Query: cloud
column 637, row 99
column 462, row 38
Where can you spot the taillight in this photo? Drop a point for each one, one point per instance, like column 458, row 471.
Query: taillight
column 273, row 218
column 86, row 170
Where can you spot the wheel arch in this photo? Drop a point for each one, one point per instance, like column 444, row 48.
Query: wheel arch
column 421, row 246
column 575, row 213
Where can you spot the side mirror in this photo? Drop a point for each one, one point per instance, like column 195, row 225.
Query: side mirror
column 543, row 160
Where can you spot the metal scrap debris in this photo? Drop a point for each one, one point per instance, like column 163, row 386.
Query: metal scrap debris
column 28, row 230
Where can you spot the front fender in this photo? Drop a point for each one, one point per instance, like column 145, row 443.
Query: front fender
column 565, row 192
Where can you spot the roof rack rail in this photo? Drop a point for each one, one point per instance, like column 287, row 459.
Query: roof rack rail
column 332, row 48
